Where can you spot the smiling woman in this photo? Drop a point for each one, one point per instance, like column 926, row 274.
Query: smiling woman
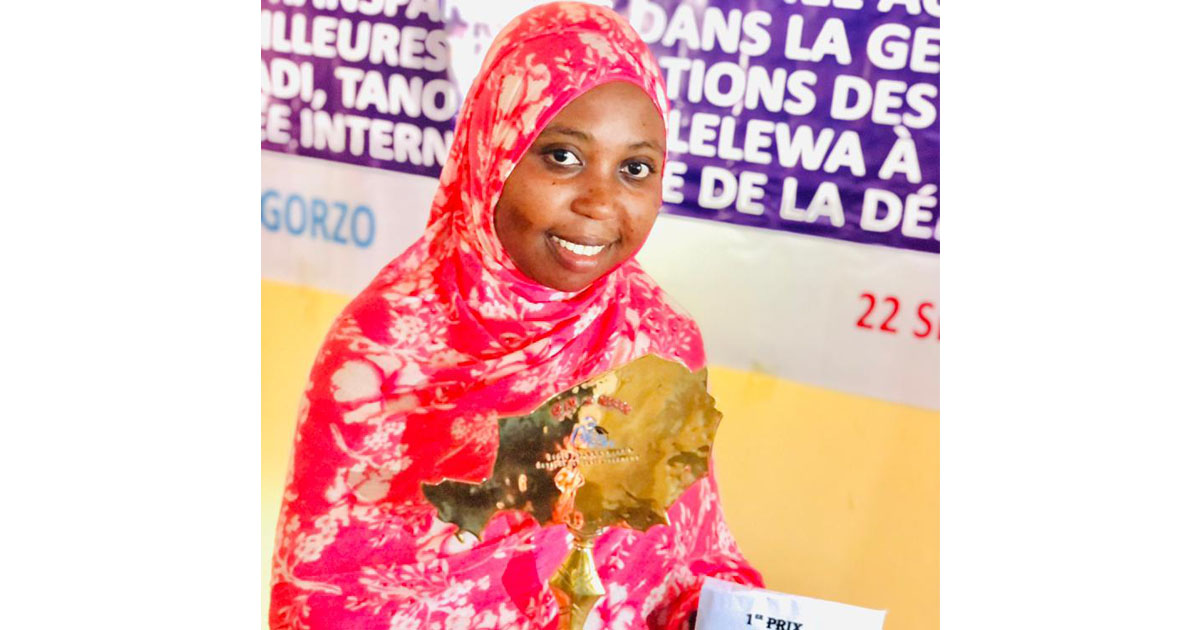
column 523, row 286
column 583, row 198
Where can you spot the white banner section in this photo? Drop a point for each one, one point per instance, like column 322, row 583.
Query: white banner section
column 333, row 226
column 855, row 318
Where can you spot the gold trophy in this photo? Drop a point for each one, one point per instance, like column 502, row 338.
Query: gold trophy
column 617, row 450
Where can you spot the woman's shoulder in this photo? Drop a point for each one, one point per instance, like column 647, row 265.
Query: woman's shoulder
column 395, row 315
column 653, row 300
column 387, row 327
column 671, row 329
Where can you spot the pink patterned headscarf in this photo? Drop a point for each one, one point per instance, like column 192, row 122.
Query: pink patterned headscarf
column 451, row 336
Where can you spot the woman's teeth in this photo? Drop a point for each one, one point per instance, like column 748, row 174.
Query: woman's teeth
column 582, row 250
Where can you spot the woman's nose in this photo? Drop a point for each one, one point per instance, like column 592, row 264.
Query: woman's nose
column 597, row 198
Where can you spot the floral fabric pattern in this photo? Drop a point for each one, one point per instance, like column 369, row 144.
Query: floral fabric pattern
column 450, row 336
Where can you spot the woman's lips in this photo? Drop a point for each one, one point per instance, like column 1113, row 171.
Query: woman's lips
column 583, row 259
column 583, row 247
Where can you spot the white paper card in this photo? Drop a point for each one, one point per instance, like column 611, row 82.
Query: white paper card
column 730, row 606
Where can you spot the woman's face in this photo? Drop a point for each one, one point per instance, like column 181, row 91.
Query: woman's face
column 583, row 198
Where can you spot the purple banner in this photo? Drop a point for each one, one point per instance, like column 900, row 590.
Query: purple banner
column 811, row 116
column 816, row 117
column 365, row 83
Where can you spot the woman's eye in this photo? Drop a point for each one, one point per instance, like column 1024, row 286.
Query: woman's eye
column 638, row 170
column 562, row 157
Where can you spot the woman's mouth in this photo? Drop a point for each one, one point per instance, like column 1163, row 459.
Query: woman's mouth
column 577, row 257
column 578, row 248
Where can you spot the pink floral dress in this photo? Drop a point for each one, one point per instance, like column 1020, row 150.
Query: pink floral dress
column 450, row 336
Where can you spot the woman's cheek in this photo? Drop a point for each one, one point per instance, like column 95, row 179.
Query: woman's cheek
column 647, row 216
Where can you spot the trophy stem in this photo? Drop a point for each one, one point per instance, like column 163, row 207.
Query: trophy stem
column 576, row 584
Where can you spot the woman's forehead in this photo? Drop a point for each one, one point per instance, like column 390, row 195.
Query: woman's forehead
column 590, row 117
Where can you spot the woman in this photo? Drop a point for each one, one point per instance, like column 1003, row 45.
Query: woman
column 522, row 286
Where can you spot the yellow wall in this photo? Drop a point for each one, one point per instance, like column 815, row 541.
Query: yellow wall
column 829, row 495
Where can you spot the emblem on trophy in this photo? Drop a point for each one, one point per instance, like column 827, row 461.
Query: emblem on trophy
column 615, row 451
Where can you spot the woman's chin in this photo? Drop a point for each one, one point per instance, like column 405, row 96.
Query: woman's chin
column 571, row 285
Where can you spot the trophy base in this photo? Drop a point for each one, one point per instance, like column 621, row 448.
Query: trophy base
column 576, row 585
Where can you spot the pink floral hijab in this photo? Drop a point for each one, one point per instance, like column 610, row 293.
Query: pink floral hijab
column 451, row 336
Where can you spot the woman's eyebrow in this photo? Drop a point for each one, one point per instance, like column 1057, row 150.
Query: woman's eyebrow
column 587, row 137
column 567, row 131
column 647, row 144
